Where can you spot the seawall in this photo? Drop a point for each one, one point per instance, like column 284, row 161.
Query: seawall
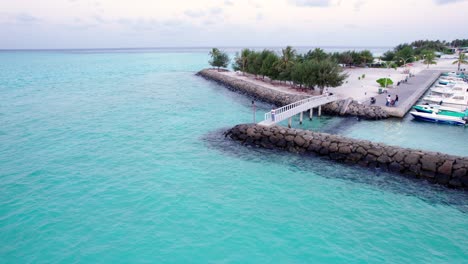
column 280, row 98
column 261, row 93
column 434, row 167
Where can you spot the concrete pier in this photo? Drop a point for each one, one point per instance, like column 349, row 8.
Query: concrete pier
column 408, row 93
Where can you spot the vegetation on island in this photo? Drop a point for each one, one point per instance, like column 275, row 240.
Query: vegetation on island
column 318, row 69
column 315, row 69
column 219, row 59
column 459, row 43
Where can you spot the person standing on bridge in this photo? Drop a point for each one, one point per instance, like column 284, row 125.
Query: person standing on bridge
column 273, row 115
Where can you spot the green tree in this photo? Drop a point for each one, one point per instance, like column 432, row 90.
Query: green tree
column 298, row 74
column 326, row 73
column 346, row 58
column 218, row 58
column 429, row 58
column 366, row 56
column 268, row 66
column 357, row 59
column 240, row 61
column 285, row 63
column 316, row 54
column 461, row 60
column 384, row 82
column 254, row 63
column 388, row 56
column 405, row 53
column 269, row 58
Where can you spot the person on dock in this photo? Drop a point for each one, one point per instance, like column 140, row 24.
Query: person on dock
column 396, row 100
column 389, row 100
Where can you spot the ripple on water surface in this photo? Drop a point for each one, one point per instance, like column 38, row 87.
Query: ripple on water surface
column 118, row 157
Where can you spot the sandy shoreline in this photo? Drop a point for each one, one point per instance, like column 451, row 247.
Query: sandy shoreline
column 360, row 89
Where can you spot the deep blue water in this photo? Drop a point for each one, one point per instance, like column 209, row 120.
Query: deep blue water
column 119, row 157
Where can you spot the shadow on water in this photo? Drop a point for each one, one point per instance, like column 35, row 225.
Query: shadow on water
column 343, row 124
column 375, row 178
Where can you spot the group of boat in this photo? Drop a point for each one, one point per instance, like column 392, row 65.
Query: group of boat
column 447, row 101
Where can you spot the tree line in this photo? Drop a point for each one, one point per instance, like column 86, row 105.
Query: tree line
column 315, row 69
column 319, row 69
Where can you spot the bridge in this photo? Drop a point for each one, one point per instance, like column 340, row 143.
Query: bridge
column 290, row 110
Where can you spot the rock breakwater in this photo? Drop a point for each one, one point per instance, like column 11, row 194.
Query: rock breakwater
column 434, row 167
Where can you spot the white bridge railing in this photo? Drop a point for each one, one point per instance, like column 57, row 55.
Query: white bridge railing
column 295, row 108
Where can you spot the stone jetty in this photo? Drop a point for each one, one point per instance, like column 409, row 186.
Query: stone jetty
column 434, row 167
column 280, row 98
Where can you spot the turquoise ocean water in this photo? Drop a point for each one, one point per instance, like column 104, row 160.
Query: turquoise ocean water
column 119, row 157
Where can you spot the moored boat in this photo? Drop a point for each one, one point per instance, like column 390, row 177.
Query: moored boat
column 441, row 110
column 459, row 101
column 441, row 90
column 436, row 118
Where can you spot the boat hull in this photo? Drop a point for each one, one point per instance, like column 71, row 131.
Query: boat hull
column 440, row 110
column 438, row 119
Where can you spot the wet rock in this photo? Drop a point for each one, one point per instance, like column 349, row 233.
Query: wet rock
column 344, row 150
column 383, row 159
column 333, row 147
column 458, row 173
column 455, row 183
column 446, row 167
column 395, row 167
column 299, row 141
column 412, row 159
column 429, row 162
column 442, row 179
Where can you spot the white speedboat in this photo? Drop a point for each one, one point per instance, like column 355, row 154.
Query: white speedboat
column 459, row 89
column 435, row 118
column 441, row 110
column 441, row 90
column 456, row 100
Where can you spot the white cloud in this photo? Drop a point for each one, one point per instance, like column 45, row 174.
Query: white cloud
column 310, row 3
column 443, row 2
column 109, row 23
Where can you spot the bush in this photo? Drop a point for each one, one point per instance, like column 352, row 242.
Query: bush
column 382, row 81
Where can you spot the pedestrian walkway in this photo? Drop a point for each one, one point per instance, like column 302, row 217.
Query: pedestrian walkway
column 408, row 93
column 288, row 111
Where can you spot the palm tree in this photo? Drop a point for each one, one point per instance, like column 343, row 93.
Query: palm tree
column 218, row 58
column 461, row 60
column 429, row 58
column 284, row 65
column 243, row 56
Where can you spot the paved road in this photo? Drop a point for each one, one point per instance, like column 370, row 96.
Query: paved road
column 408, row 93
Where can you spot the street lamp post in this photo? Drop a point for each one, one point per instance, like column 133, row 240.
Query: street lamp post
column 387, row 64
column 405, row 60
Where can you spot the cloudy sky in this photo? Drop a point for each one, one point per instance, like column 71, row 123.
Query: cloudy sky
column 46, row 24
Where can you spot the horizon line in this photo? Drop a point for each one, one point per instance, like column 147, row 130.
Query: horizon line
column 189, row 47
